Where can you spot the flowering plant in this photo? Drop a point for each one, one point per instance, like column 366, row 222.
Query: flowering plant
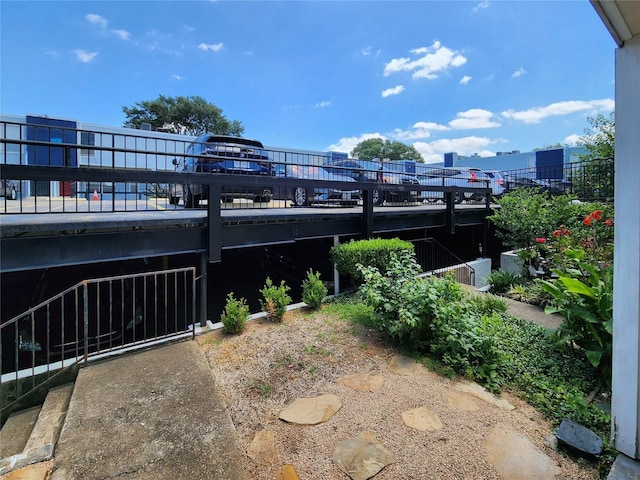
column 583, row 289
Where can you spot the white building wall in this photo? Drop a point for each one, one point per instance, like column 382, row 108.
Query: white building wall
column 626, row 296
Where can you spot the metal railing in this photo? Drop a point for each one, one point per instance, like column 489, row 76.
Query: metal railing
column 588, row 180
column 93, row 319
column 76, row 170
column 436, row 259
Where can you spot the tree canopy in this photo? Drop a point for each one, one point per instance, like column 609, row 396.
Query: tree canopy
column 599, row 138
column 385, row 150
column 191, row 115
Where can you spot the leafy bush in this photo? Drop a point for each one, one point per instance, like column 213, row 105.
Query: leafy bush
column 275, row 299
column 429, row 315
column 235, row 315
column 500, row 281
column 313, row 290
column 369, row 253
column 487, row 304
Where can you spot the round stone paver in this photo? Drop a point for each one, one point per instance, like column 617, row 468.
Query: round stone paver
column 462, row 402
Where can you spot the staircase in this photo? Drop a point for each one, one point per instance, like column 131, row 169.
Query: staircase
column 28, row 437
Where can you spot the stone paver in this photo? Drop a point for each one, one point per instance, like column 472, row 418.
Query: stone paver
column 262, row 449
column 311, row 411
column 461, row 401
column 478, row 391
column 421, row 419
column 362, row 382
column 287, row 472
column 362, row 457
column 403, row 365
column 515, row 458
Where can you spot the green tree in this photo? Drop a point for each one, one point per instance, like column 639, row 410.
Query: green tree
column 385, row 150
column 191, row 115
column 599, row 139
column 595, row 179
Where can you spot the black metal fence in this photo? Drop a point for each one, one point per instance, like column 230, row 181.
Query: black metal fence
column 588, row 180
column 46, row 169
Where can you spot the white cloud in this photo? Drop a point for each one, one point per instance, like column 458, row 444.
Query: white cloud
column 482, row 5
column 434, row 151
column 366, row 51
column 84, row 56
column 346, row 144
column 572, row 139
column 393, row 91
column 474, row 118
column 518, row 73
column 323, row 104
column 188, row 28
column 216, row 47
column 96, row 19
column 435, row 59
column 122, row 34
column 464, row 80
column 534, row 115
column 175, row 76
column 102, row 23
column 418, row 130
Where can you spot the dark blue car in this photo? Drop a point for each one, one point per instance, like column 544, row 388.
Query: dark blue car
column 222, row 154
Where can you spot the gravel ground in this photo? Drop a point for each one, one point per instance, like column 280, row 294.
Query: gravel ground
column 264, row 369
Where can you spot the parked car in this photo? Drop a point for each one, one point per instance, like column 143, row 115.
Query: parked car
column 374, row 171
column 497, row 182
column 8, row 189
column 514, row 181
column 222, row 154
column 302, row 196
column 454, row 177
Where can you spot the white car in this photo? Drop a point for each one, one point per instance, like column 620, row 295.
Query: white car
column 454, row 177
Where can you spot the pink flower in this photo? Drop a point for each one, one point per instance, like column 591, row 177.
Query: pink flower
column 587, row 221
column 608, row 222
column 541, row 240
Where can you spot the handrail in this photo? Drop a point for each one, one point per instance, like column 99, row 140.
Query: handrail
column 442, row 260
column 90, row 319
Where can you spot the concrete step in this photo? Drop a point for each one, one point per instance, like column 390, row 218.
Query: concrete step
column 16, row 430
column 45, row 433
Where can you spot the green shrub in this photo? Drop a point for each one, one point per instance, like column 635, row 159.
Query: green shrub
column 487, row 304
column 369, row 253
column 275, row 299
column 235, row 315
column 313, row 290
column 500, row 281
column 429, row 315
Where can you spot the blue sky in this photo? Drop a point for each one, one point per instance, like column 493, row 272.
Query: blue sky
column 470, row 77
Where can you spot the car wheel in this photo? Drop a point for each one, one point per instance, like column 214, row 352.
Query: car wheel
column 174, row 200
column 458, row 197
column 13, row 195
column 300, row 197
column 376, row 197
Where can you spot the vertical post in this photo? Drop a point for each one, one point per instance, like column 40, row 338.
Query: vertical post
column 336, row 275
column 204, row 291
column 625, row 403
column 215, row 230
column 367, row 212
column 450, row 211
column 85, row 290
